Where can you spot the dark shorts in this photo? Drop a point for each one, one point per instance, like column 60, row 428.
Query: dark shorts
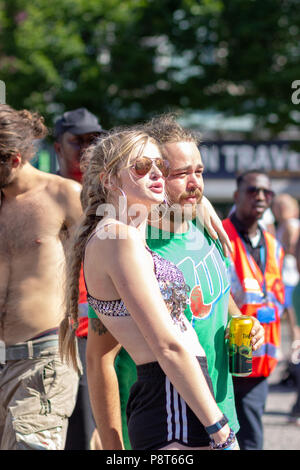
column 157, row 415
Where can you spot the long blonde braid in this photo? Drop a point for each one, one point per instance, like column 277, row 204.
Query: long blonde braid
column 74, row 260
column 106, row 155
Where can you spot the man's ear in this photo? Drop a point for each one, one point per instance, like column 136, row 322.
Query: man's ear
column 57, row 147
column 235, row 195
column 16, row 160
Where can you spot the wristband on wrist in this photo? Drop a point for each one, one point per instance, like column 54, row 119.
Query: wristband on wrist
column 229, row 444
column 217, row 426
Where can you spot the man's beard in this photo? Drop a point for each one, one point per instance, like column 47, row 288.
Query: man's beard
column 185, row 212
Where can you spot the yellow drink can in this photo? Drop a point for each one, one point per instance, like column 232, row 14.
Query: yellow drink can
column 240, row 349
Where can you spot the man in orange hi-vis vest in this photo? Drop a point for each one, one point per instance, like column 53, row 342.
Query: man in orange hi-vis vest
column 257, row 288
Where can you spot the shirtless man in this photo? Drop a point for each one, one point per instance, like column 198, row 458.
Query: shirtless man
column 74, row 131
column 37, row 212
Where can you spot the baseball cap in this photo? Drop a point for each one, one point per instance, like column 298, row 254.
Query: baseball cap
column 79, row 121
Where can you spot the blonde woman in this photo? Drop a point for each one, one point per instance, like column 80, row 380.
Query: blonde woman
column 140, row 298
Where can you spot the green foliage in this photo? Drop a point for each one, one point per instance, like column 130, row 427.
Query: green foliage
column 126, row 60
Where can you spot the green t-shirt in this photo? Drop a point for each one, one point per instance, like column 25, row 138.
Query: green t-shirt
column 206, row 273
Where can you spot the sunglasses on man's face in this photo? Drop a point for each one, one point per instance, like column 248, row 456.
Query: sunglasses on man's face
column 254, row 191
column 143, row 165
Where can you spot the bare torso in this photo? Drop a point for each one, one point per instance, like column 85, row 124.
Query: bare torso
column 32, row 260
column 126, row 332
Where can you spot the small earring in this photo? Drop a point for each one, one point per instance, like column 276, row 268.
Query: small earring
column 122, row 204
column 121, row 191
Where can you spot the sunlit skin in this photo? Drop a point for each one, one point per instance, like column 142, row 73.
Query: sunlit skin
column 148, row 189
column 37, row 214
column 185, row 185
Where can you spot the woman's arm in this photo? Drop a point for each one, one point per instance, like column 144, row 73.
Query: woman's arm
column 102, row 349
column 130, row 268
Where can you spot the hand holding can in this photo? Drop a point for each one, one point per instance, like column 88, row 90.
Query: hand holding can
column 240, row 349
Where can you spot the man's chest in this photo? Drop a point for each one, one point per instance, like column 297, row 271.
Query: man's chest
column 27, row 222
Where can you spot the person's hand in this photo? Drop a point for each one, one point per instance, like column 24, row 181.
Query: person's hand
column 208, row 216
column 222, row 437
column 257, row 334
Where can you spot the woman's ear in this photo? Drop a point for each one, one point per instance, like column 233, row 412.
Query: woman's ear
column 108, row 182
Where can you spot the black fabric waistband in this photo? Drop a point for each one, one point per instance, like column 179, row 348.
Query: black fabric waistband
column 153, row 369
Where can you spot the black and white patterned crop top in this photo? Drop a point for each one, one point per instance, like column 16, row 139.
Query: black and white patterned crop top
column 172, row 287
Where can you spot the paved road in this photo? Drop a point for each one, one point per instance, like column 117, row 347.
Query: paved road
column 279, row 434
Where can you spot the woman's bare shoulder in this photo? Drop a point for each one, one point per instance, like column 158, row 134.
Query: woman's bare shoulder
column 114, row 240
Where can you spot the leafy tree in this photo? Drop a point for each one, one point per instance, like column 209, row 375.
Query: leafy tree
column 129, row 59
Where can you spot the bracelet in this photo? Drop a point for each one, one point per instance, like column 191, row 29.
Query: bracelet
column 217, row 426
column 227, row 445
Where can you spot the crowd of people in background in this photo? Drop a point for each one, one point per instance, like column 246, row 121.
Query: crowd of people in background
column 117, row 283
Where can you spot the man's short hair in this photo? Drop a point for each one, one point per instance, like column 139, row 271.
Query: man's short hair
column 165, row 130
column 79, row 121
column 241, row 176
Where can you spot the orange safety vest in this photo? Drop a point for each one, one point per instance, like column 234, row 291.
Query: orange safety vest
column 82, row 329
column 253, row 291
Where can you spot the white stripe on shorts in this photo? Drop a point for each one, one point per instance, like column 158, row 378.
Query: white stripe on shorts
column 176, row 409
column 168, row 406
column 179, row 418
column 184, row 420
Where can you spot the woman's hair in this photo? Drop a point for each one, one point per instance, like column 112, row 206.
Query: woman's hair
column 107, row 155
column 18, row 131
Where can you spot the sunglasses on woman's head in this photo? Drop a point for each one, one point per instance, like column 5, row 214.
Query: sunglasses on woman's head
column 143, row 165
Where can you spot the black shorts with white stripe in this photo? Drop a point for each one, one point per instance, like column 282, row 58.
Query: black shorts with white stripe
column 157, row 415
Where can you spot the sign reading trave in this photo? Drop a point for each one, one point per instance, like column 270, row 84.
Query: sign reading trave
column 225, row 159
